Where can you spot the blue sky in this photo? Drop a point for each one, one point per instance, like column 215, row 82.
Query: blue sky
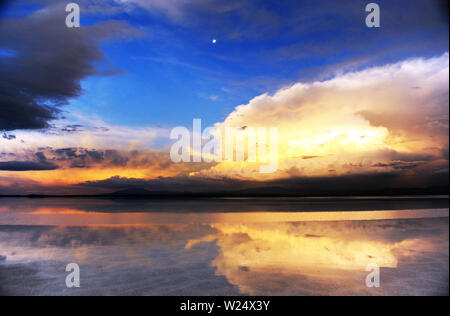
column 173, row 72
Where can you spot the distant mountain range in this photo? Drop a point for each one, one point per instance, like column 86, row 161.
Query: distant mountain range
column 132, row 191
column 256, row 192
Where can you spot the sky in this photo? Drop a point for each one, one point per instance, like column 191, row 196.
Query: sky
column 90, row 109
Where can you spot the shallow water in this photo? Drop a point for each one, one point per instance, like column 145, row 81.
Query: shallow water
column 225, row 246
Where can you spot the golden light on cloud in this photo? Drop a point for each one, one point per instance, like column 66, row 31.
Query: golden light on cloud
column 353, row 122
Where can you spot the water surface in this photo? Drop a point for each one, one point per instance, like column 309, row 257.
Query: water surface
column 225, row 246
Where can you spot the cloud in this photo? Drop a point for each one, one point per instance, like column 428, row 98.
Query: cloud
column 80, row 158
column 77, row 157
column 47, row 63
column 8, row 136
column 91, row 133
column 40, row 163
column 234, row 19
column 180, row 183
column 262, row 20
column 26, row 166
column 368, row 121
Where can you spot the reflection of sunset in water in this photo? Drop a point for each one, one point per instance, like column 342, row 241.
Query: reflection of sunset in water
column 285, row 248
column 70, row 213
column 221, row 253
column 252, row 255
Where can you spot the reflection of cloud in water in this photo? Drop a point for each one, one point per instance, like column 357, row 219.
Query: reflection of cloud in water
column 43, row 241
column 227, row 258
column 114, row 260
column 313, row 258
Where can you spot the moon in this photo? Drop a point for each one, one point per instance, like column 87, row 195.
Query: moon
column 214, row 41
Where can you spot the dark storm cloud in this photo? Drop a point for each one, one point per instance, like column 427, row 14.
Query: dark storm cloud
column 46, row 64
column 39, row 162
column 72, row 128
column 113, row 158
column 175, row 184
column 26, row 166
column 86, row 158
column 79, row 157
